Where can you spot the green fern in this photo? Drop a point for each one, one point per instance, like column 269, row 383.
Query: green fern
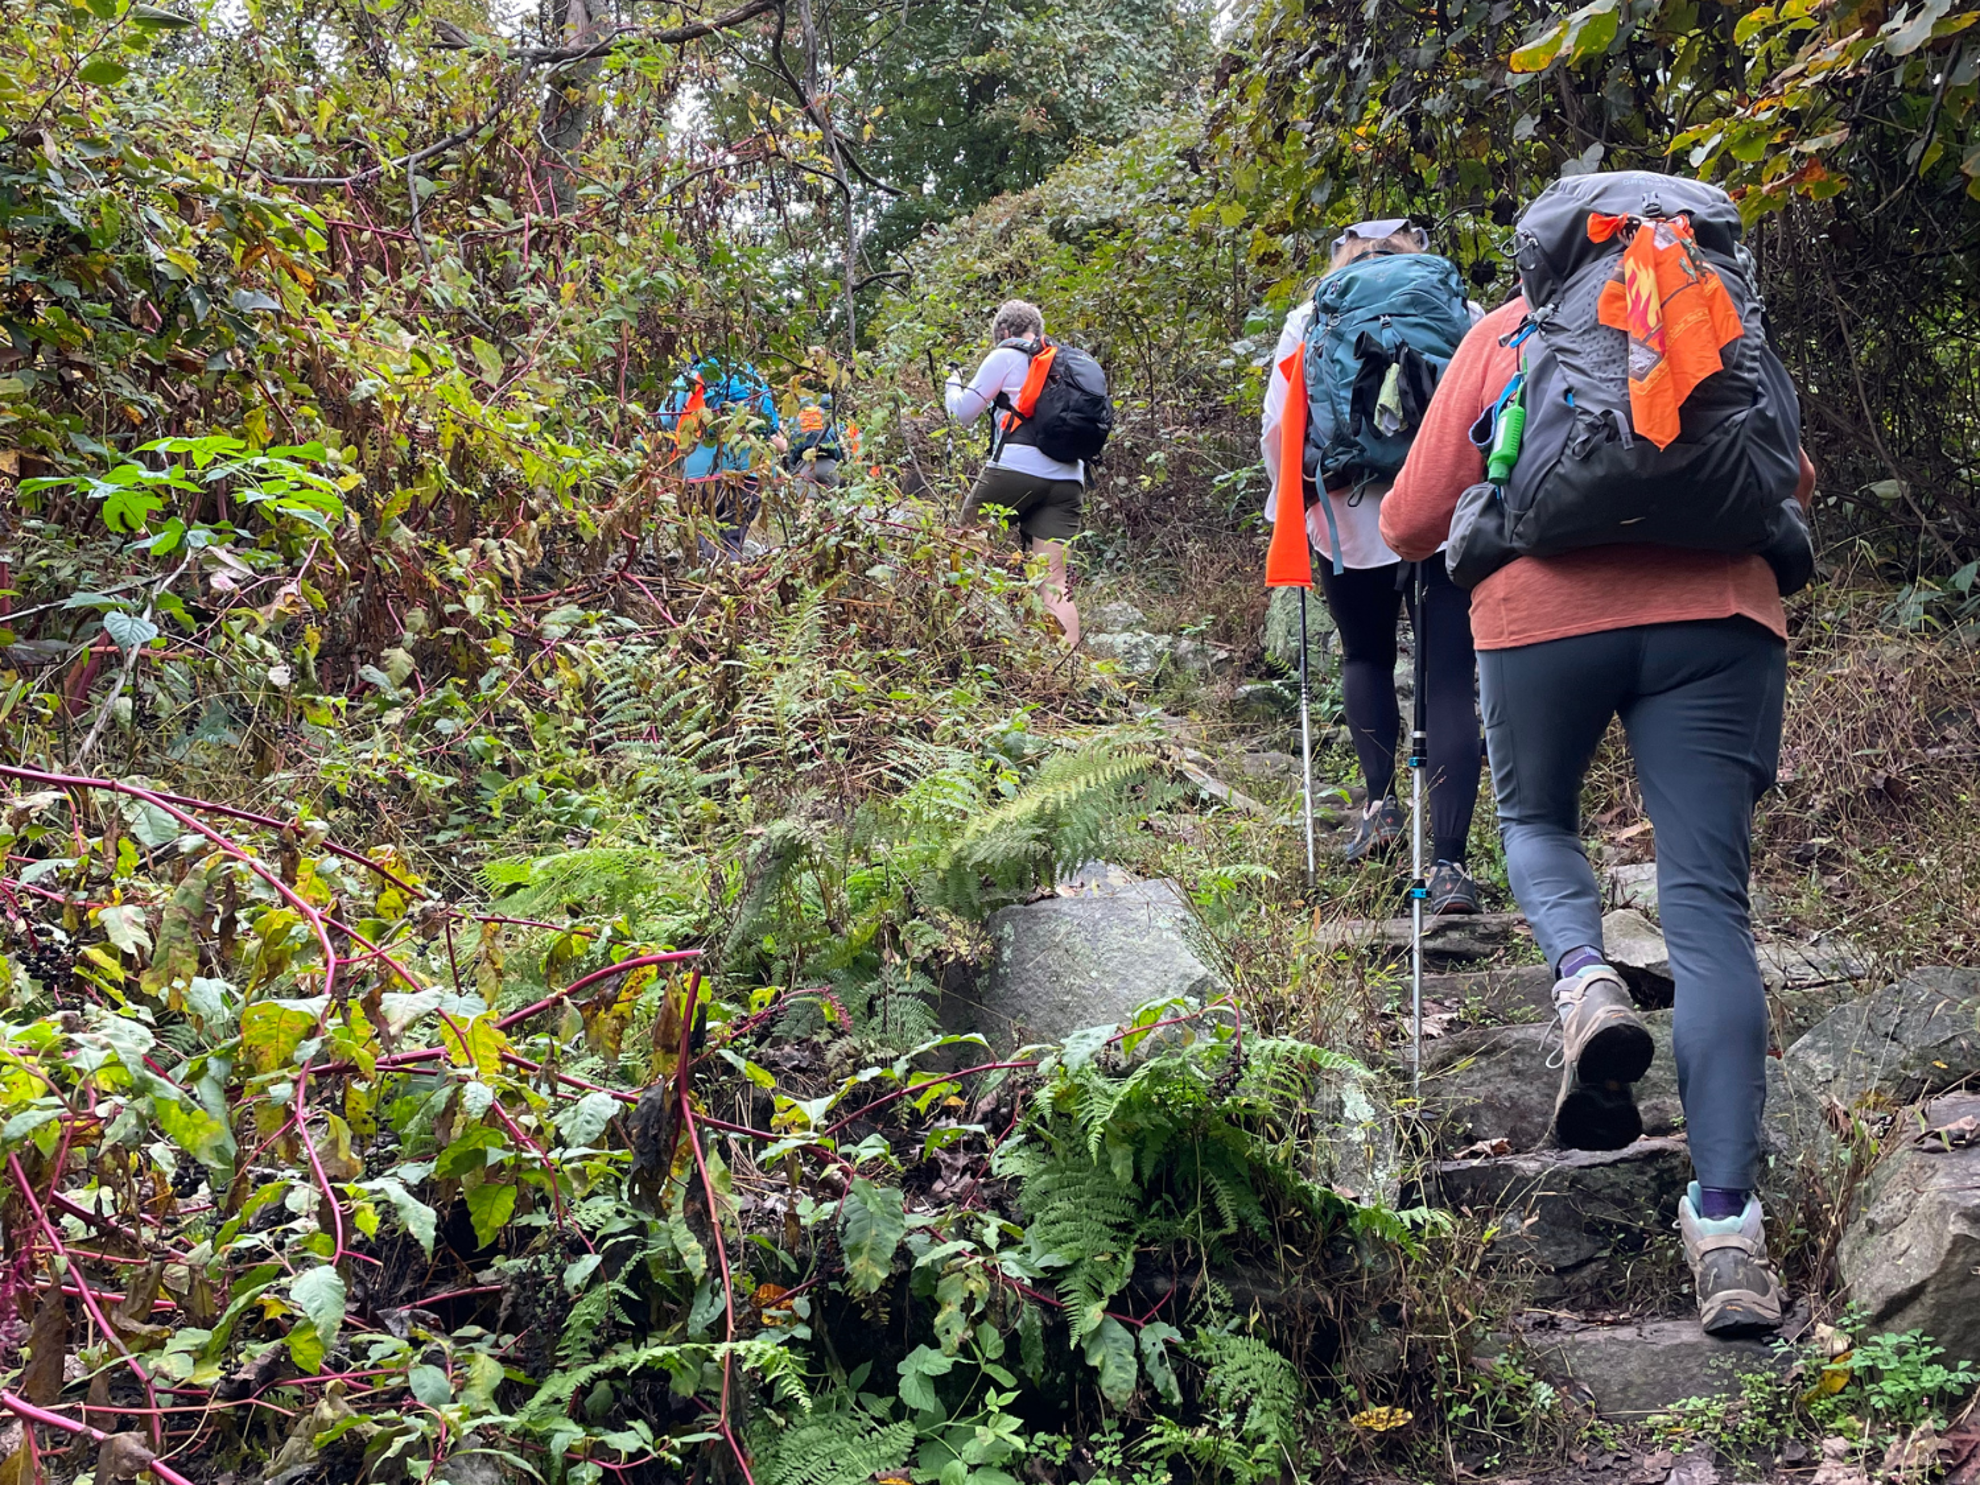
column 1086, row 1222
column 1056, row 821
column 838, row 1448
column 1252, row 1382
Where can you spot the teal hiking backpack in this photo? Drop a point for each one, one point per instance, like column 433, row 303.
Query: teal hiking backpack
column 1384, row 329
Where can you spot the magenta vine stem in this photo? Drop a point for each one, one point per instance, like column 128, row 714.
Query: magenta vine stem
column 88, row 1296
column 246, row 816
column 684, row 1099
column 288, row 894
column 21, row 1408
column 622, row 967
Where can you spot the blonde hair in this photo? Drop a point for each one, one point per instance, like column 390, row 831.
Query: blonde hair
column 1016, row 319
column 1406, row 241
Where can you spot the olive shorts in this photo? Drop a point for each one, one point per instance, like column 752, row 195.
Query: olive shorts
column 1047, row 510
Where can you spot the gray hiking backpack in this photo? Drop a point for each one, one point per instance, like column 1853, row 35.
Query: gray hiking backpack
column 1582, row 477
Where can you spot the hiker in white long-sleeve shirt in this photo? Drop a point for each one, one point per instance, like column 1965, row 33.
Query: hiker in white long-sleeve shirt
column 1045, row 493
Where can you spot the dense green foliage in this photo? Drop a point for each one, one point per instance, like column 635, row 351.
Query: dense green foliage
column 470, row 986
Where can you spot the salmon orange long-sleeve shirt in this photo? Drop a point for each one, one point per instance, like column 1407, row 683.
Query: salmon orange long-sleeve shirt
column 1582, row 592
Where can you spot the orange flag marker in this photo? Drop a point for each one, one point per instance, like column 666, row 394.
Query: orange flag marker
column 1289, row 560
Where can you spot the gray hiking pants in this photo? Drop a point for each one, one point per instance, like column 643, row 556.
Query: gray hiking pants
column 1701, row 704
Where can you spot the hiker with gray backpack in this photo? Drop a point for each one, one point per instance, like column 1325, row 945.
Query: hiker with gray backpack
column 1367, row 346
column 1614, row 460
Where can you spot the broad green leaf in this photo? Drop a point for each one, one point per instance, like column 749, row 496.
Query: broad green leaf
column 484, row 1375
column 194, row 1130
column 1537, row 55
column 1154, row 1341
column 874, row 1223
column 420, row 1219
column 319, row 1294
column 175, row 960
column 490, row 1205
column 124, row 926
column 129, row 631
column 430, row 1385
column 1903, row 39
column 916, row 1368
column 103, row 72
column 1110, row 1351
column 488, row 359
column 584, row 1122
column 271, row 1030
column 151, row 18
column 153, row 827
column 306, row 1347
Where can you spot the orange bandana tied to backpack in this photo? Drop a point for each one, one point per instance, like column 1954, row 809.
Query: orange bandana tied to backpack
column 1674, row 309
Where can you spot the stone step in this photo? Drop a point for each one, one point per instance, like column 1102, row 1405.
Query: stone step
column 1632, row 1370
column 1448, row 939
column 1519, row 994
column 1578, row 1220
column 1494, row 1083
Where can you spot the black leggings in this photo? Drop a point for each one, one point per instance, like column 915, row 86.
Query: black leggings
column 1364, row 603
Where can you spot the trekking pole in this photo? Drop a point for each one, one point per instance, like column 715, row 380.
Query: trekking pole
column 1419, row 889
column 1306, row 747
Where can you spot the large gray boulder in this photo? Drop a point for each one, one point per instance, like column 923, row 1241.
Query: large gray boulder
column 1578, row 1219
column 1108, row 944
column 1495, row 1084
column 1911, row 1253
column 1356, row 1147
column 1134, row 651
column 1633, row 1370
column 1281, row 638
column 1903, row 1043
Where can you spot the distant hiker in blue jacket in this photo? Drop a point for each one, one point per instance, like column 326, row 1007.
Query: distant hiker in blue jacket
column 722, row 417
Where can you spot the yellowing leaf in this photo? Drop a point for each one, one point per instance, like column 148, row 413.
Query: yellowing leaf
column 489, row 1207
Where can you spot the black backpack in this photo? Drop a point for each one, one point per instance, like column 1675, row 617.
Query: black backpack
column 1072, row 417
column 1583, row 478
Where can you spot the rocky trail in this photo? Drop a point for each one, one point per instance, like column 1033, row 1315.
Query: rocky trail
column 1873, row 1174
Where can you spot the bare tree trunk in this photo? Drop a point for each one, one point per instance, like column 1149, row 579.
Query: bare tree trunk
column 821, row 110
column 567, row 109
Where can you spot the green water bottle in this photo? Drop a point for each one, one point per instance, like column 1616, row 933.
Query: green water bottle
column 1506, row 434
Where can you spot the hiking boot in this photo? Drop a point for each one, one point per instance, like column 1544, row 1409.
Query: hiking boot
column 1738, row 1290
column 1451, row 890
column 1606, row 1047
column 1377, row 832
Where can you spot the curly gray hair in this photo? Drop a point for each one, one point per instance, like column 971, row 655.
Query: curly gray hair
column 1016, row 319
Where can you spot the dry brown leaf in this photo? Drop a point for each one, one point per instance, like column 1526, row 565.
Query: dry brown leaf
column 1484, row 1150
column 122, row 1456
column 1954, row 1136
column 1837, row 1468
column 48, row 1343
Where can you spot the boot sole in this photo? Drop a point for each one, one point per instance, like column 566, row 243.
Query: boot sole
column 1598, row 1116
column 1739, row 1319
column 1620, row 1052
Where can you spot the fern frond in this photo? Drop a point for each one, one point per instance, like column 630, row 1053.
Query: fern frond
column 838, row 1448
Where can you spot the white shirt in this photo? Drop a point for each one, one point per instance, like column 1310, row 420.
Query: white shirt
column 1358, row 516
column 1004, row 370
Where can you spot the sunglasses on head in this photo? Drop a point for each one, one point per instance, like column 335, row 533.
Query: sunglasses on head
column 1379, row 228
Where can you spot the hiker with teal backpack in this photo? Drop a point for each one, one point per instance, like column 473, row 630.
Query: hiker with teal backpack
column 722, row 419
column 1369, row 345
column 1614, row 462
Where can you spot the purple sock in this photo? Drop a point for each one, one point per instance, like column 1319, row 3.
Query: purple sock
column 1716, row 1203
column 1576, row 960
